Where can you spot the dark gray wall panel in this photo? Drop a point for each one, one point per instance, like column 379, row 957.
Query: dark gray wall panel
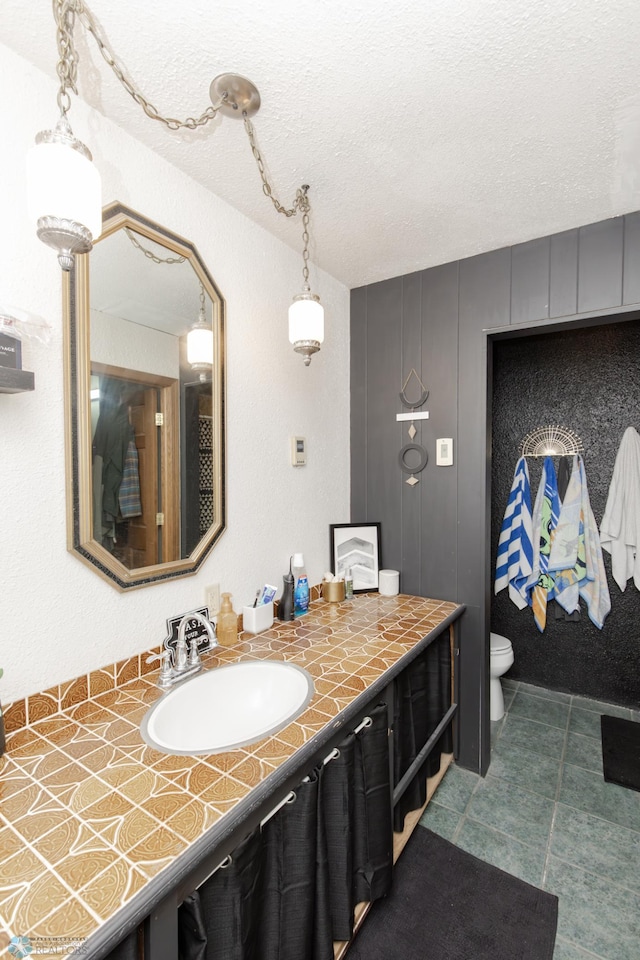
column 439, row 486
column 530, row 281
column 358, row 380
column 384, row 433
column 411, row 527
column 563, row 274
column 600, row 265
column 631, row 265
column 484, row 302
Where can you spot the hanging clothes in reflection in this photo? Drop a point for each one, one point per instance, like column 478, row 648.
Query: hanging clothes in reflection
column 116, row 480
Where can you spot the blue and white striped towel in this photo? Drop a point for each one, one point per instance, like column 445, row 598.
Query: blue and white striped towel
column 515, row 550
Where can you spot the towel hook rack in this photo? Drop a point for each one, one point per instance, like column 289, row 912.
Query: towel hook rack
column 551, row 441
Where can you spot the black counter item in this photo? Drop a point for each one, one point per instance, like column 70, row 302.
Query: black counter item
column 286, row 603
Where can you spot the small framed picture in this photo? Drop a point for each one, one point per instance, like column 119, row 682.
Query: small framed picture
column 356, row 546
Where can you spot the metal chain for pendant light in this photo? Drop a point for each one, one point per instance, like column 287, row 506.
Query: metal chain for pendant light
column 305, row 241
column 67, row 67
column 300, row 204
column 65, row 12
column 301, row 201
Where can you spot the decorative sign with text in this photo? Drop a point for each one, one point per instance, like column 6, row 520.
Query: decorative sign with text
column 193, row 629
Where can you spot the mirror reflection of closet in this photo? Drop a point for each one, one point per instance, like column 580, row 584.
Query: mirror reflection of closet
column 148, row 458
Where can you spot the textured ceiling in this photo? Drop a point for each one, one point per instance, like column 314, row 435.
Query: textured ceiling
column 428, row 131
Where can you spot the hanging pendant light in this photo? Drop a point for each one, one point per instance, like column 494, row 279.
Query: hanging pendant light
column 64, row 195
column 200, row 343
column 306, row 313
column 64, row 192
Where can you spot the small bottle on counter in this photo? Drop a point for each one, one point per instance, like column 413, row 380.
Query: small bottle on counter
column 301, row 589
column 286, row 601
column 348, row 584
column 227, row 631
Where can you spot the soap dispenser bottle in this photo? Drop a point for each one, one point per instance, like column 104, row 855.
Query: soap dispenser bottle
column 227, row 631
column 285, row 603
column 301, row 589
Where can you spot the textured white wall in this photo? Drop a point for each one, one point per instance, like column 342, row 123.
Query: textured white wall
column 131, row 346
column 58, row 617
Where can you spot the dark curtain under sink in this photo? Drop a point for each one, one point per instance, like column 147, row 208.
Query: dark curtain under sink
column 289, row 889
column 292, row 885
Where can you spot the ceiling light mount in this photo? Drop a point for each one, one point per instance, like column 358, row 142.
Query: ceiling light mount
column 234, row 96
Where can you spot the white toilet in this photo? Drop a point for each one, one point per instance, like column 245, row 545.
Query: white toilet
column 501, row 660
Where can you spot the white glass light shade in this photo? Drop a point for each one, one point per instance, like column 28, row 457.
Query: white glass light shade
column 200, row 346
column 306, row 319
column 63, row 183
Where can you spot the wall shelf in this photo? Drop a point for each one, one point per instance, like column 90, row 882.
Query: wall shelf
column 15, row 381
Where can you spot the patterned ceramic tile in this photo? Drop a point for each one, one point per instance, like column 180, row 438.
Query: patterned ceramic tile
column 15, row 716
column 74, row 692
column 126, row 670
column 156, row 851
column 43, row 705
column 113, row 888
column 191, row 820
column 13, row 778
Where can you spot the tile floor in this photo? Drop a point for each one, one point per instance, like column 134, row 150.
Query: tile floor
column 545, row 814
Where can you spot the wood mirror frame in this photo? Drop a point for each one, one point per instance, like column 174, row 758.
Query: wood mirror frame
column 174, row 472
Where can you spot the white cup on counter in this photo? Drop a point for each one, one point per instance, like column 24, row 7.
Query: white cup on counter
column 389, row 583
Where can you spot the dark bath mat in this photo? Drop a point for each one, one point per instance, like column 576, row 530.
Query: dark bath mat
column 447, row 905
column 621, row 751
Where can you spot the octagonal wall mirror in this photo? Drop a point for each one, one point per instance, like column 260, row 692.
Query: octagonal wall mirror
column 145, row 417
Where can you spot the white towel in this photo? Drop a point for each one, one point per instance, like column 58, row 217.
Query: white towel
column 513, row 563
column 594, row 589
column 620, row 527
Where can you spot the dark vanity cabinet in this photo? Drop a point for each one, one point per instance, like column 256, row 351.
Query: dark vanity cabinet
column 296, row 877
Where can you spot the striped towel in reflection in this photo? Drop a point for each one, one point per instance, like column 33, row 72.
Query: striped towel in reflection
column 515, row 550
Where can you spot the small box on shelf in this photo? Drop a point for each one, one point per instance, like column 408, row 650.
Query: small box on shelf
column 10, row 352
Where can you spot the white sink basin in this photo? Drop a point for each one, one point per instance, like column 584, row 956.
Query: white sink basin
column 227, row 707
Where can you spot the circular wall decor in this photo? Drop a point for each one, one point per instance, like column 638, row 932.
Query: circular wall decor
column 424, row 457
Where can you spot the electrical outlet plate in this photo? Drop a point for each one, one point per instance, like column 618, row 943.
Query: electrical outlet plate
column 212, row 599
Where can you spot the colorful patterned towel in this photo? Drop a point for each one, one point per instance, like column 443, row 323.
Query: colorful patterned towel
column 546, row 512
column 515, row 550
column 567, row 560
column 576, row 555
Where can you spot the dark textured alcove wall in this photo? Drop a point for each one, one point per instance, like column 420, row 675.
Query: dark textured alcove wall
column 588, row 380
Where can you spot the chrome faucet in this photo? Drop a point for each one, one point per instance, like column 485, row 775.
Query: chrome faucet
column 183, row 664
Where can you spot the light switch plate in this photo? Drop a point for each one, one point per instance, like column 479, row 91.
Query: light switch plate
column 298, row 451
column 444, row 452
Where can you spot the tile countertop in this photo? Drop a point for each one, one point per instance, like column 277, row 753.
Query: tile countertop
column 90, row 815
